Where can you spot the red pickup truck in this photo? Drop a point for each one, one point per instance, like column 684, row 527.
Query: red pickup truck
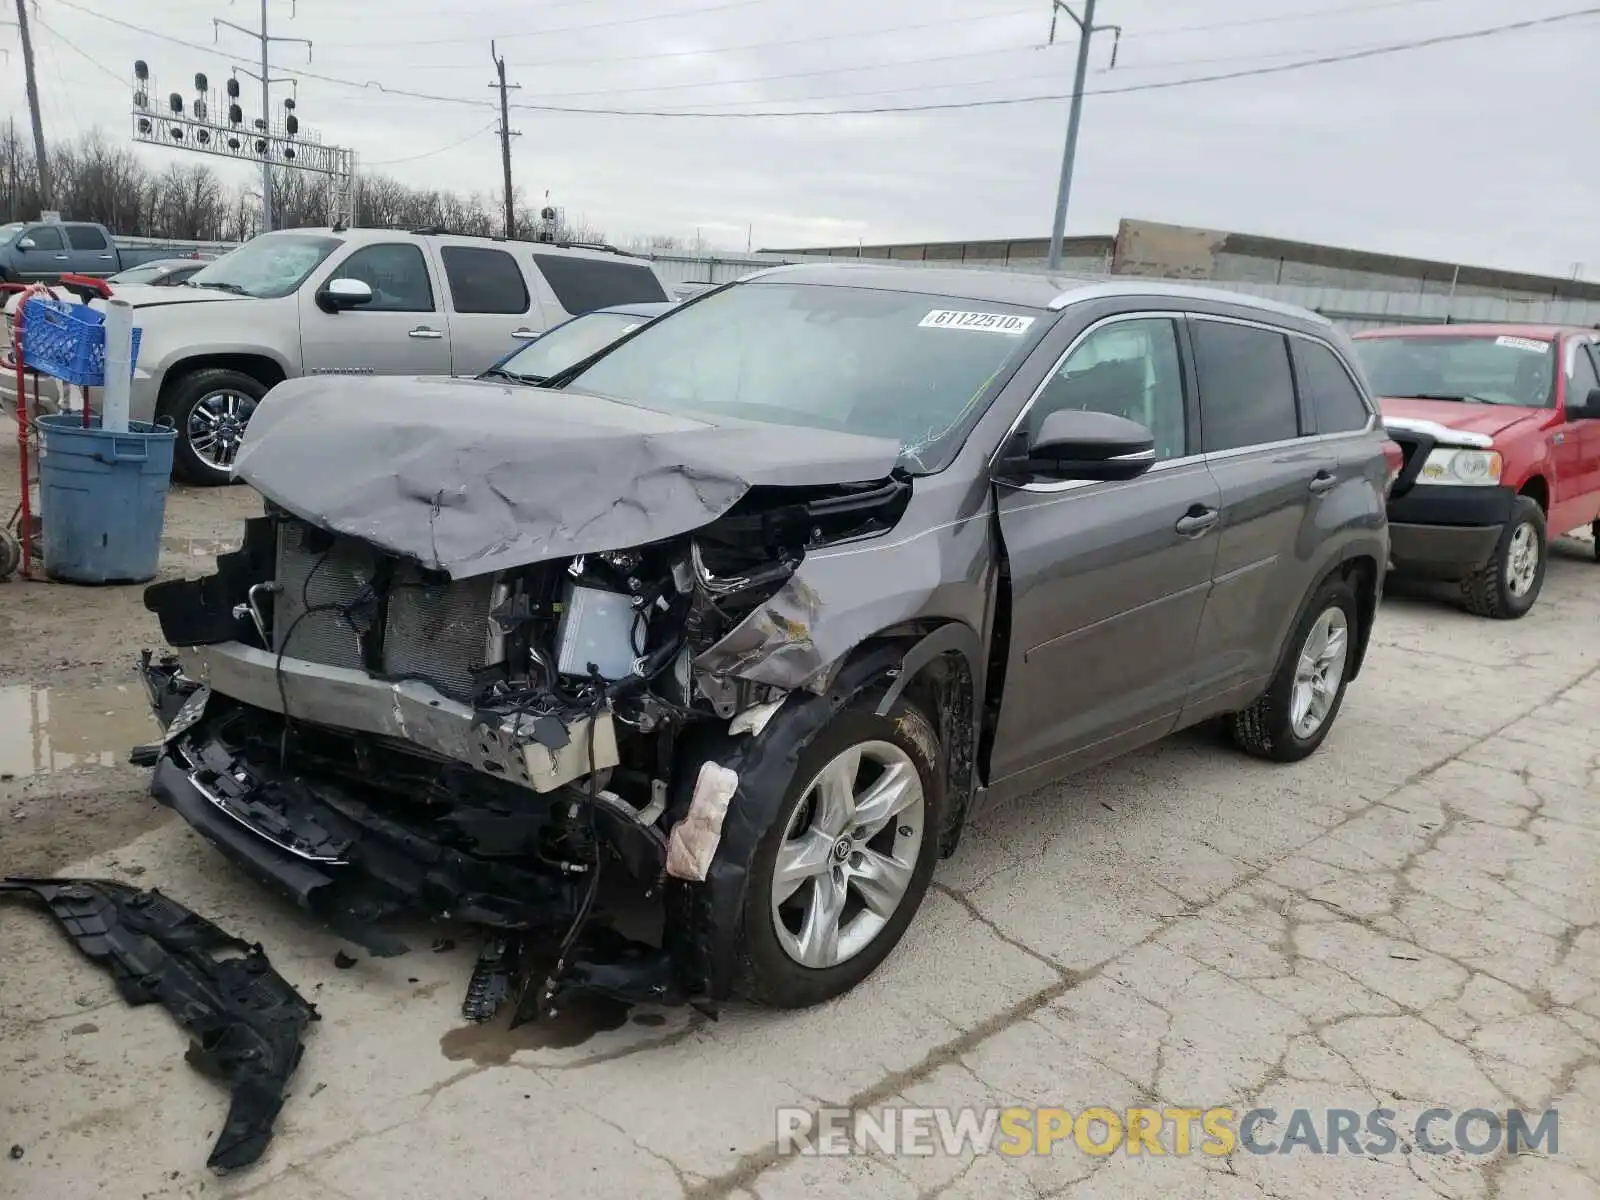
column 1500, row 428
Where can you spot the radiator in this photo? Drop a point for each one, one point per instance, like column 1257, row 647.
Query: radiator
column 436, row 632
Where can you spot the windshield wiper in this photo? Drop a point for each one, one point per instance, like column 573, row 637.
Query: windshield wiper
column 219, row 286
column 1464, row 397
column 502, row 373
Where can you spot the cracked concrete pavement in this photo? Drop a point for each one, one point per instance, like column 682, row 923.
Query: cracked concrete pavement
column 1409, row 919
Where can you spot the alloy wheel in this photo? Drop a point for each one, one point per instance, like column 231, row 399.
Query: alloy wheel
column 216, row 427
column 1319, row 672
column 848, row 854
column 1522, row 560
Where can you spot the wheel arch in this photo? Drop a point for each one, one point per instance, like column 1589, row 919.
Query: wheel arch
column 263, row 368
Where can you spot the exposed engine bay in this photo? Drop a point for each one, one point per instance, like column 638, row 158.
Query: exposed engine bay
column 373, row 736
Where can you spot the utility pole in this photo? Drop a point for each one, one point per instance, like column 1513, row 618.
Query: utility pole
column 33, row 104
column 267, row 81
column 1086, row 29
column 506, row 134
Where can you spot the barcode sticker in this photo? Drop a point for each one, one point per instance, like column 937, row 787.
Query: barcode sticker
column 1519, row 343
column 981, row 322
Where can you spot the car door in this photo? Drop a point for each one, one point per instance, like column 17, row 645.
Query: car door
column 89, row 253
column 402, row 331
column 1108, row 580
column 1575, row 445
column 47, row 258
column 492, row 310
column 1273, row 476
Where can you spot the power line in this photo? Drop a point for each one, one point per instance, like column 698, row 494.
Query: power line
column 81, row 53
column 1375, row 51
column 675, row 87
column 462, row 141
column 1158, row 85
column 1279, row 18
column 666, row 16
column 851, row 36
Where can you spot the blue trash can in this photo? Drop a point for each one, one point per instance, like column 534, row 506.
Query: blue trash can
column 103, row 497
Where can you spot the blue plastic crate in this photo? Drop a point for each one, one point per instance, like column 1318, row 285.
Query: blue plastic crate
column 66, row 341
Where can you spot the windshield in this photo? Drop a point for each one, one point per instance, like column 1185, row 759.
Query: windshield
column 902, row 365
column 1484, row 368
column 8, row 232
column 273, row 264
column 568, row 344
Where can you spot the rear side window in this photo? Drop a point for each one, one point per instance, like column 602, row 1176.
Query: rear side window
column 584, row 284
column 85, row 237
column 484, row 280
column 1327, row 390
column 1246, row 388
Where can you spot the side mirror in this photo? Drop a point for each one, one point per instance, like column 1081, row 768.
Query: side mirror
column 1093, row 446
column 27, row 243
column 1588, row 410
column 339, row 294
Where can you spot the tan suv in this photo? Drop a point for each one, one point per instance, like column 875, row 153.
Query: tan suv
column 348, row 302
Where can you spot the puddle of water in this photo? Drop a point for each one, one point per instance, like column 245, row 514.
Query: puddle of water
column 45, row 729
column 494, row 1042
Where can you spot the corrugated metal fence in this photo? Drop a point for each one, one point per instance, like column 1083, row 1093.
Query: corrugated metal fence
column 1352, row 309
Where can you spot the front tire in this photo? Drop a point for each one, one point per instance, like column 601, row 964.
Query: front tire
column 844, row 867
column 210, row 410
column 1510, row 582
column 1293, row 716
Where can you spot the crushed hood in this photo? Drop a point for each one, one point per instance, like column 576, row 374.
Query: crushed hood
column 1464, row 417
column 470, row 476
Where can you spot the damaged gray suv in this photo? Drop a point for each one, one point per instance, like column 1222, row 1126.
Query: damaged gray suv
column 755, row 608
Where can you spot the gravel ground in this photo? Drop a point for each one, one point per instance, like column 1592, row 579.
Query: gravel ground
column 1409, row 919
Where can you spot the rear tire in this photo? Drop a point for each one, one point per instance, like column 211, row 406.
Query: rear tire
column 1310, row 681
column 1511, row 581
column 775, row 932
column 215, row 390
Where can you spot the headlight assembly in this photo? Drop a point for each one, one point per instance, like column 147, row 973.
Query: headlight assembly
column 1461, row 467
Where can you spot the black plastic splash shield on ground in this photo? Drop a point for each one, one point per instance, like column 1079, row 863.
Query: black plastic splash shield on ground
column 246, row 1020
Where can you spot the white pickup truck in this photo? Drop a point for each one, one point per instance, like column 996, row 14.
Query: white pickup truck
column 346, row 302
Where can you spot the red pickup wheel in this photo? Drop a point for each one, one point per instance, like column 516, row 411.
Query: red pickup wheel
column 1510, row 582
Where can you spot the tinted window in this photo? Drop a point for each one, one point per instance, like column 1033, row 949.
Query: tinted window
column 1129, row 369
column 1502, row 369
column 484, row 281
column 397, row 274
column 1582, row 381
column 85, row 237
column 1246, row 390
column 915, row 368
column 584, row 284
column 46, row 237
column 1327, row 389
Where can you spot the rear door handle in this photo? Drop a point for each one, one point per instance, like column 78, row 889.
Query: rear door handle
column 524, row 333
column 422, row 331
column 105, row 256
column 1196, row 522
column 1323, row 481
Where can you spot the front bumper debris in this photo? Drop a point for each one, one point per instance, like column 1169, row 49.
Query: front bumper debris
column 247, row 1022
column 347, row 829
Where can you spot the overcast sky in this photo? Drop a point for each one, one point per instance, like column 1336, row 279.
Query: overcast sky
column 1484, row 152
